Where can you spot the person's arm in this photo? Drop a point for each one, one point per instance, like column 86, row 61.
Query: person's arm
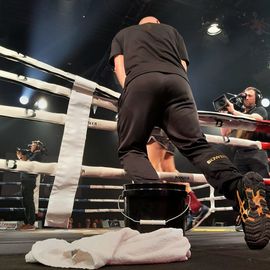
column 119, row 69
column 225, row 132
column 231, row 109
column 18, row 154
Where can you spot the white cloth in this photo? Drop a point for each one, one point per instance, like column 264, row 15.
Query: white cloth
column 125, row 246
column 69, row 164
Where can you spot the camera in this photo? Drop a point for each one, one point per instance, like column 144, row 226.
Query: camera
column 220, row 103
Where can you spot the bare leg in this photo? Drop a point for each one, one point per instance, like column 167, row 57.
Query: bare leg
column 168, row 164
column 156, row 155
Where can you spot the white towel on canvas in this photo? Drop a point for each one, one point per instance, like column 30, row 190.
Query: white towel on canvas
column 124, row 246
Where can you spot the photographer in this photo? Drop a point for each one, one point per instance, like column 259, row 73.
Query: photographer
column 249, row 158
column 28, row 182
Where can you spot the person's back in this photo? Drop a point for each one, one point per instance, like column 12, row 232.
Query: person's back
column 151, row 47
column 154, row 96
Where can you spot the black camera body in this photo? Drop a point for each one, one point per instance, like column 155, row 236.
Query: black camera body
column 221, row 102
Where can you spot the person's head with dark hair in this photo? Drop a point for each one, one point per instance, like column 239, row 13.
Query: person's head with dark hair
column 37, row 146
column 257, row 94
column 253, row 97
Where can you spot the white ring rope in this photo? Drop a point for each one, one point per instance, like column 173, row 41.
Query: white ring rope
column 53, row 118
column 59, row 118
column 233, row 141
column 15, row 56
column 112, row 187
column 36, row 167
column 36, row 84
column 76, row 200
column 211, row 198
column 103, row 102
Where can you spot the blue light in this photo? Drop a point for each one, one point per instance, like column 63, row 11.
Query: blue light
column 24, row 100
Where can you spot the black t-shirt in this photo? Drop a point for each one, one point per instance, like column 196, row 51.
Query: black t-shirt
column 36, row 156
column 150, row 47
column 256, row 136
column 259, row 110
column 259, row 136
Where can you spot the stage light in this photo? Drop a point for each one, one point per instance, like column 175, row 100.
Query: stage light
column 26, row 96
column 214, row 29
column 24, row 100
column 42, row 103
column 265, row 102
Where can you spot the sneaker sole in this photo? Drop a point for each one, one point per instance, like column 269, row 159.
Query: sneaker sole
column 256, row 221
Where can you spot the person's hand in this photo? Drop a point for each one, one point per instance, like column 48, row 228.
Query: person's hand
column 223, row 111
column 19, row 154
column 230, row 107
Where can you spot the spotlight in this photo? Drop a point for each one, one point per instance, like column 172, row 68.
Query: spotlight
column 214, row 29
column 265, row 102
column 24, row 100
column 42, row 103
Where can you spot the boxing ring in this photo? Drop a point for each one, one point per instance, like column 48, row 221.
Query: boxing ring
column 84, row 95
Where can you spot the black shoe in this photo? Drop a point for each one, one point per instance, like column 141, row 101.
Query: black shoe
column 255, row 215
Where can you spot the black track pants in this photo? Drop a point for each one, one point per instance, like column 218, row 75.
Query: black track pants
column 252, row 159
column 165, row 100
column 28, row 186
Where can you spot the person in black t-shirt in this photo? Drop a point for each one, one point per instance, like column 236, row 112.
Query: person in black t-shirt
column 150, row 61
column 249, row 158
column 28, row 182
